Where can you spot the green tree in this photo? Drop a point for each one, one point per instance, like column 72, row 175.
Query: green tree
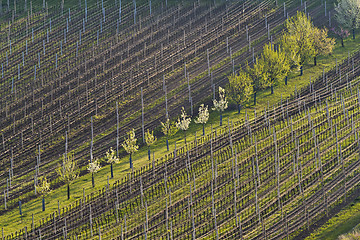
column 111, row 158
column 291, row 52
column 169, row 129
column 43, row 188
column 322, row 44
column 276, row 65
column 150, row 139
column 298, row 36
column 93, row 168
column 130, row 146
column 240, row 88
column 348, row 14
column 68, row 171
column 259, row 76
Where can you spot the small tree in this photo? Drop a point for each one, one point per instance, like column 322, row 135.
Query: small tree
column 240, row 88
column 93, row 168
column 130, row 146
column 43, row 188
column 276, row 64
column 203, row 116
column 112, row 159
column 287, row 43
column 169, row 129
column 348, row 14
column 298, row 35
column 342, row 34
column 150, row 140
column 222, row 104
column 68, row 171
column 259, row 75
column 183, row 122
column 322, row 44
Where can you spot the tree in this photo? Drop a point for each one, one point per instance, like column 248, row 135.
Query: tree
column 183, row 122
column 322, row 44
column 342, row 34
column 43, row 188
column 130, row 146
column 112, row 159
column 68, row 171
column 93, row 168
column 259, row 75
column 150, row 140
column 169, row 129
column 298, row 36
column 203, row 116
column 222, row 104
column 240, row 88
column 287, row 45
column 348, row 14
column 276, row 65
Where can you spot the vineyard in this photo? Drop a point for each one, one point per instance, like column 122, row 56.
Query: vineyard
column 77, row 81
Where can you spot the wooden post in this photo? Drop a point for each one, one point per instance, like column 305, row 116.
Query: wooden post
column 142, row 116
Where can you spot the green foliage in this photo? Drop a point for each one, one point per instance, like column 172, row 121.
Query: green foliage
column 290, row 51
column 298, row 37
column 111, row 157
column 240, row 87
column 168, row 128
column 322, row 44
column 44, row 187
column 348, row 13
column 150, row 139
column 275, row 63
column 129, row 143
column 258, row 74
column 68, row 171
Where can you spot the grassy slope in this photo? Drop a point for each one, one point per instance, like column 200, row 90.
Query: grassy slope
column 341, row 223
column 11, row 221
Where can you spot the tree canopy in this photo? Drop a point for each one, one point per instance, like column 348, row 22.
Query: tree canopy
column 348, row 14
column 68, row 170
column 240, row 87
column 275, row 63
column 298, row 37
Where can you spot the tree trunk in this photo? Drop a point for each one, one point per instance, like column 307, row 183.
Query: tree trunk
column 68, row 191
column 149, row 153
column 167, row 143
column 315, row 61
column 342, row 42
column 131, row 164
column 112, row 171
column 272, row 89
column 301, row 70
column 203, row 129
column 239, row 108
column 254, row 98
column 220, row 119
column 43, row 203
column 286, row 80
column 185, row 137
column 92, row 180
column 353, row 33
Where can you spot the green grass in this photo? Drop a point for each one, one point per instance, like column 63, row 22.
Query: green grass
column 11, row 221
column 341, row 223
